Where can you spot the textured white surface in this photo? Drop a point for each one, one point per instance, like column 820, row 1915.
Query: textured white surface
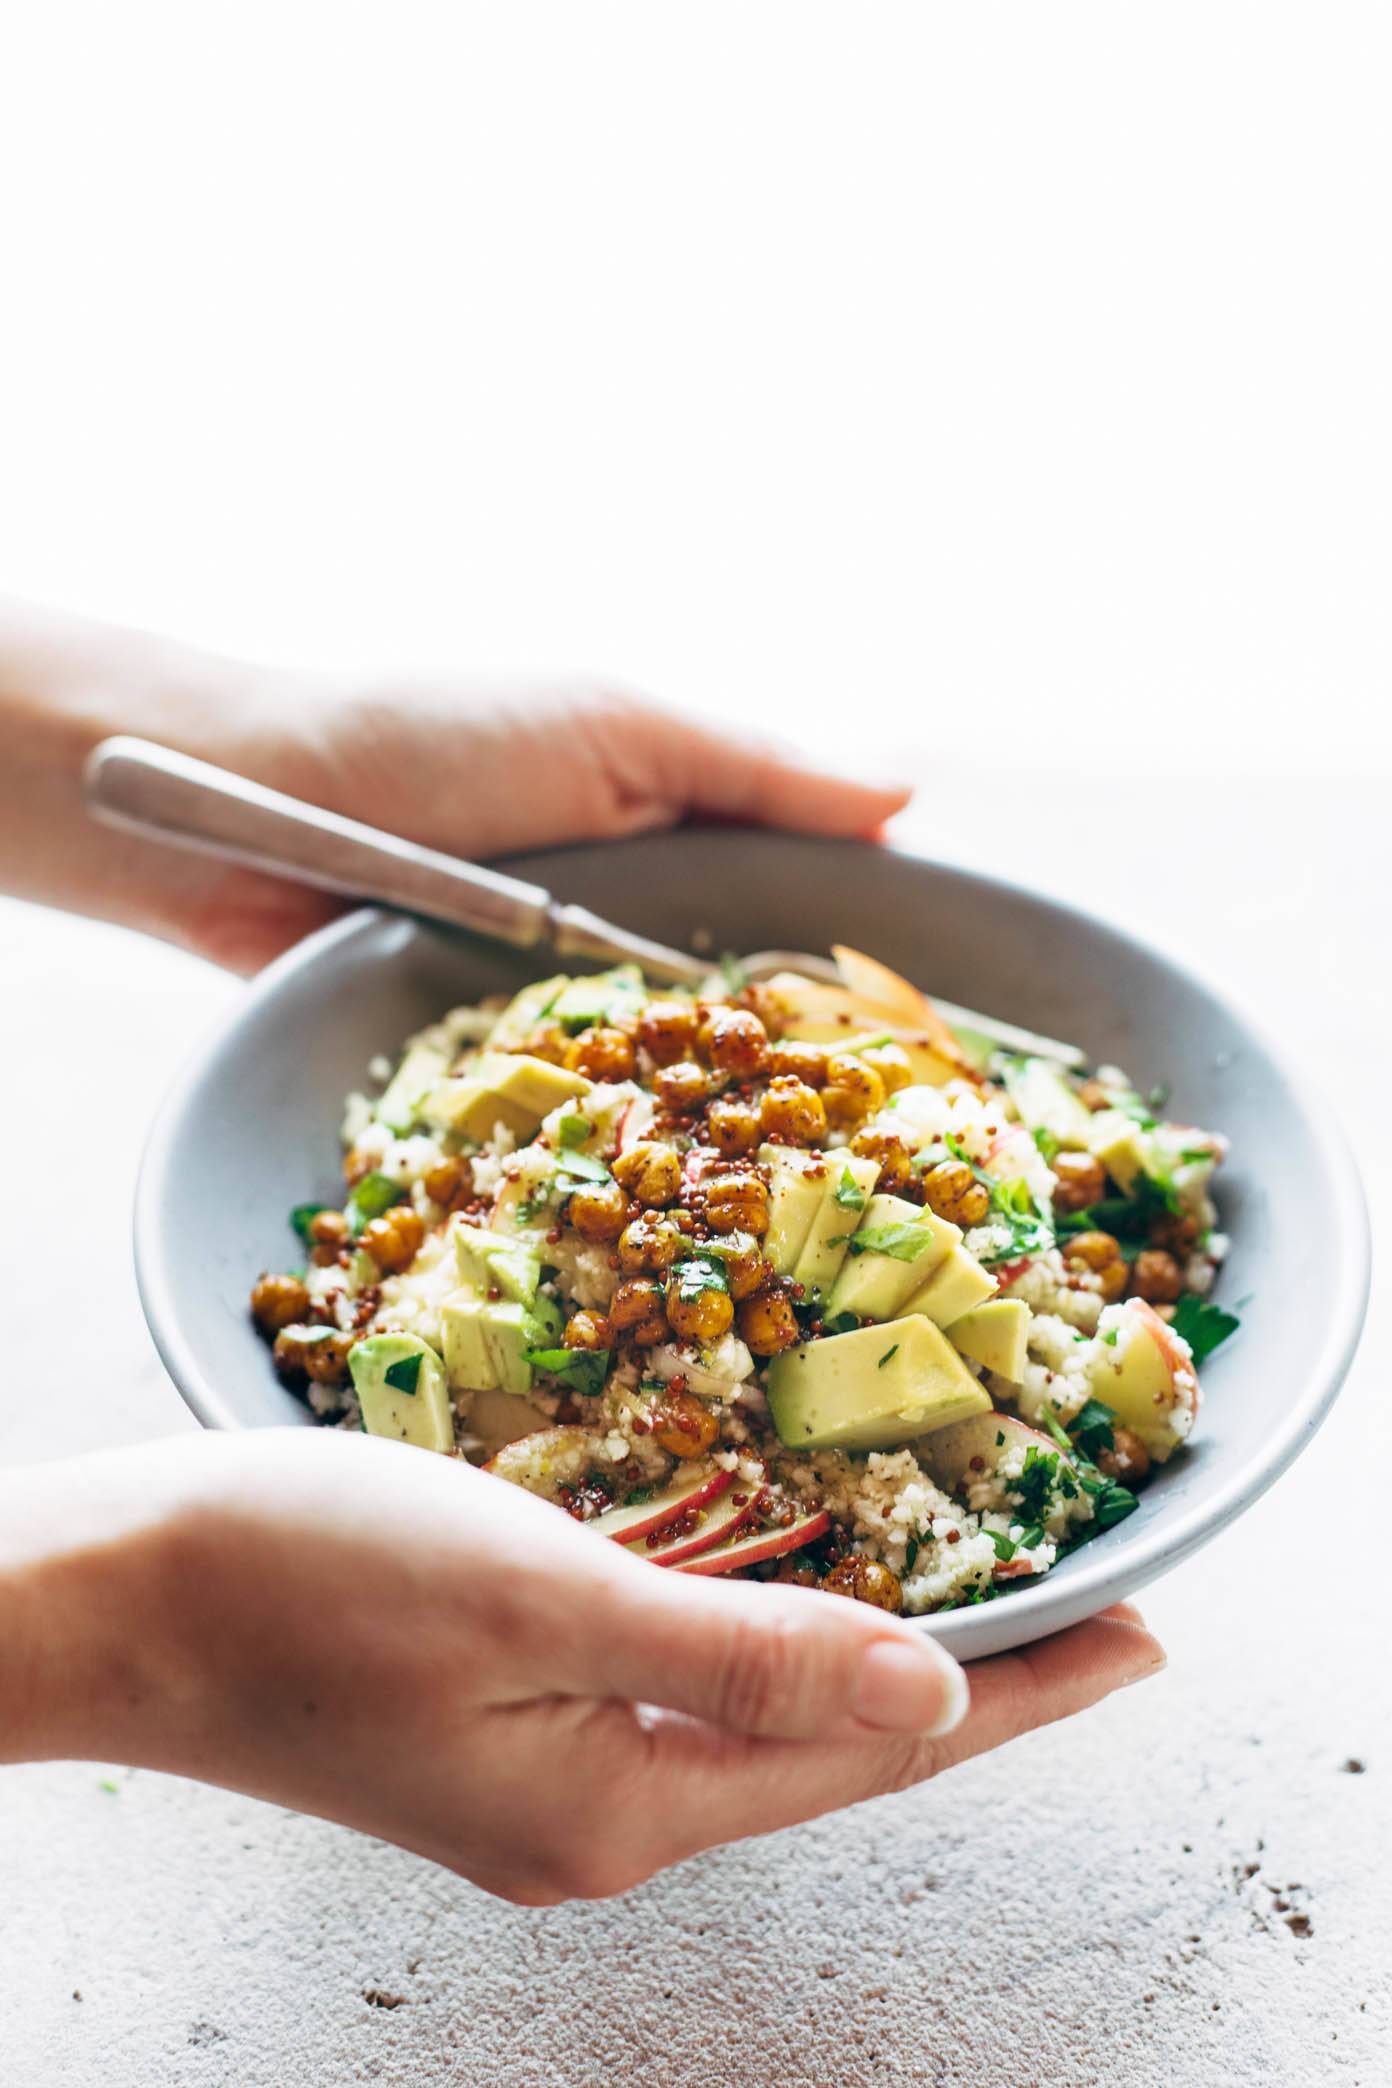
column 1188, row 1886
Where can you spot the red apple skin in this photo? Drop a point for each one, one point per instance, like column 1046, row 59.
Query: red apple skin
column 663, row 1512
column 766, row 1544
column 705, row 1536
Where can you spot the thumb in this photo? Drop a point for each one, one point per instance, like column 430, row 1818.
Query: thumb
column 781, row 1662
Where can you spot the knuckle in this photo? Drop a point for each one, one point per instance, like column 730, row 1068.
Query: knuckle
column 762, row 1674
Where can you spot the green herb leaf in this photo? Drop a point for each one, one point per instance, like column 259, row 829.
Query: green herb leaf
column 371, row 1196
column 301, row 1218
column 848, row 1194
column 580, row 1167
column 903, row 1243
column 701, row 1273
column 1109, row 1337
column 1205, row 1327
column 733, row 972
column 573, row 1129
column 1112, row 1505
column 841, row 1323
column 404, row 1374
column 1127, row 1218
column 910, row 1554
column 1005, row 1547
column 886, row 1356
column 582, row 1370
column 1092, row 1429
column 1034, row 1485
column 1047, row 1142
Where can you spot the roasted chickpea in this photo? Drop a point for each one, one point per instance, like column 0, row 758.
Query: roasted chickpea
column 684, row 1425
column 1099, row 1253
column 853, row 1091
column 650, row 1243
column 952, row 1191
column 681, row 1088
column 278, row 1301
column 737, row 1203
column 891, row 1062
column 738, row 1043
column 355, row 1166
column 549, row 1041
column 767, row 1322
column 805, row 1062
column 394, row 1239
column 698, row 1315
column 329, row 1229
column 747, row 1267
column 1176, row 1231
column 795, row 1570
column 734, row 1126
column 598, row 1211
column 1157, row 1277
column 650, row 1172
column 635, row 1301
column 450, row 1181
column 1079, row 1181
column 865, row 1580
column 320, row 1353
column 792, row 1113
column 588, row 1330
column 602, row 1054
column 667, row 1031
column 1094, row 1096
column 1127, row 1459
column 897, row 1176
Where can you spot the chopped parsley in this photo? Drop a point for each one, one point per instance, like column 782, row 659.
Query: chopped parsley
column 404, row 1374
column 700, row 1273
column 886, row 1356
column 1035, row 1484
column 1046, row 1141
column 1205, row 1327
column 1012, row 1205
column 902, row 1243
column 733, row 972
column 1093, row 1427
column 581, row 1370
column 303, row 1216
column 1127, row 1218
column 841, row 1323
column 910, row 1555
column 1005, row 1547
column 848, row 1195
column 572, row 1171
column 371, row 1196
column 1109, row 1336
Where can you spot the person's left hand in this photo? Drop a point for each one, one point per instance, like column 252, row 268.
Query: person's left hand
column 476, row 772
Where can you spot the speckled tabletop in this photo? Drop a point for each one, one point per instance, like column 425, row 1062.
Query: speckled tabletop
column 1191, row 1885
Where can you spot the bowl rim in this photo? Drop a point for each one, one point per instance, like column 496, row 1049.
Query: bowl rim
column 1052, row 1603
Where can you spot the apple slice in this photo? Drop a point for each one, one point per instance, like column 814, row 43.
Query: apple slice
column 634, row 1523
column 547, row 1459
column 976, row 1445
column 702, row 1528
column 1146, row 1376
column 758, row 1545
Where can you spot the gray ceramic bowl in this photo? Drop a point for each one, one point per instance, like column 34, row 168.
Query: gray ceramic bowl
column 252, row 1130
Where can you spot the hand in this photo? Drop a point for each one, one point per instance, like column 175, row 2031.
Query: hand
column 403, row 1644
column 476, row 772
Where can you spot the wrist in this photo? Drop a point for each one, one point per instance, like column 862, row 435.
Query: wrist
column 89, row 1662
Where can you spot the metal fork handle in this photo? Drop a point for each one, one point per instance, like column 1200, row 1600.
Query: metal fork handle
column 154, row 791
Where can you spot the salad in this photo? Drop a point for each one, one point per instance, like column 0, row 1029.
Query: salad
column 792, row 1280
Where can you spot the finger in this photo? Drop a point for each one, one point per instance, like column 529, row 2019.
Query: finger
column 767, row 1660
column 685, row 767
column 718, row 1787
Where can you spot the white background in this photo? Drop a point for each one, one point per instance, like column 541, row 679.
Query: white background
column 996, row 396
column 991, row 375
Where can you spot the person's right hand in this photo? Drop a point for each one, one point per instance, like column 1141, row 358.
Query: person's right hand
column 393, row 1640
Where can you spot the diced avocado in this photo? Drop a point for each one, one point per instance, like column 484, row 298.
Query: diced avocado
column 524, row 1011
column 506, row 1088
column 870, row 1389
column 876, row 1280
column 400, row 1383
column 957, row 1284
column 1118, row 1141
column 846, row 1191
column 797, row 1182
column 399, row 1104
column 496, row 1261
column 994, row 1334
column 485, row 1341
column 1046, row 1102
column 602, row 998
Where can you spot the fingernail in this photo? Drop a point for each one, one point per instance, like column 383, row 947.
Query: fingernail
column 1156, row 1665
column 910, row 1688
